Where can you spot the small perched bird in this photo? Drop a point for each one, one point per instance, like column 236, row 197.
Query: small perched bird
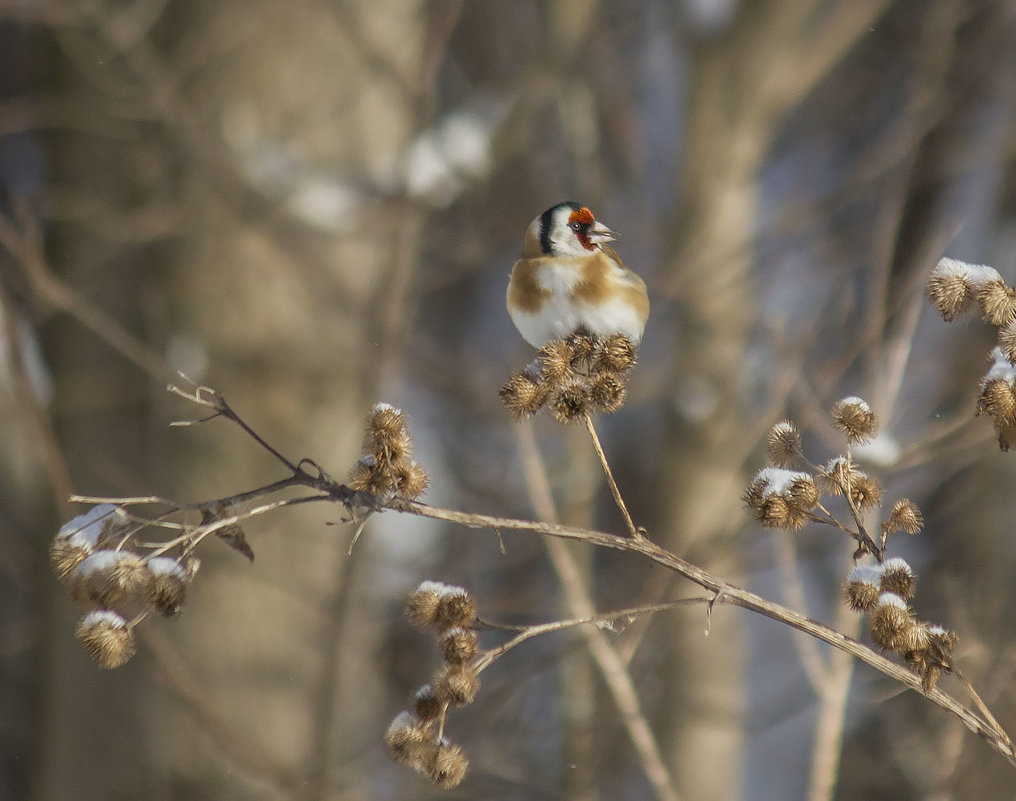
column 568, row 279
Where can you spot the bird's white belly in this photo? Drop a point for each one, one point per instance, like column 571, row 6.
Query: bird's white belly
column 561, row 315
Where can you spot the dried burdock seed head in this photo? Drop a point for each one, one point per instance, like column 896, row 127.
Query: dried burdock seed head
column 945, row 639
column 891, row 619
column 447, row 765
column 781, row 498
column 862, row 589
column 427, row 707
column 368, row 475
column 106, row 637
column 387, row 435
column 130, row 572
column 1007, row 341
column 898, row 578
column 914, row 639
column 998, row 397
column 408, row 740
column 440, row 606
column 555, row 362
column 456, row 608
column 569, row 402
column 523, row 395
column 905, row 517
column 80, row 536
column 165, row 586
column 459, row 645
column 583, row 345
column 607, row 392
column 783, row 444
column 838, row 473
column 456, row 685
column 65, row 554
column 97, row 580
column 997, row 302
column 854, row 417
column 998, row 401
column 614, row 354
column 422, row 604
column 776, row 512
column 934, row 656
column 410, row 479
column 801, row 493
column 954, row 284
column 866, row 491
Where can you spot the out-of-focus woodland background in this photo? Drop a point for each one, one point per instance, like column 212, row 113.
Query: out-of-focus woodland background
column 314, row 205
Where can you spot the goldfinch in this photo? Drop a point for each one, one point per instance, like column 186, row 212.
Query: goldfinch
column 568, row 280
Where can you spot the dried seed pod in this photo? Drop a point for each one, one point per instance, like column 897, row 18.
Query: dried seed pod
column 862, row 589
column 459, row 645
column 422, row 604
column 569, row 402
column 408, row 740
column 905, row 517
column 369, row 475
column 583, row 345
column 782, row 498
column 166, row 585
column 614, row 354
column 953, row 285
column 81, row 535
column 447, row 765
column 607, row 392
column 783, row 444
column 555, row 362
column 891, row 619
column 854, row 417
column 1007, row 341
column 410, row 479
column 997, row 302
column 107, row 638
column 427, row 707
column 866, row 491
column 456, row 685
column 387, row 436
column 838, row 473
column 97, row 581
column 897, row 577
column 523, row 395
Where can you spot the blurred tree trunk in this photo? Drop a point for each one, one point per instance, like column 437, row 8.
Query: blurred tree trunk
column 745, row 81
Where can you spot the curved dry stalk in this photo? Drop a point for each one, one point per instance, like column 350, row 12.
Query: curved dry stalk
column 981, row 721
column 996, row 737
column 614, row 491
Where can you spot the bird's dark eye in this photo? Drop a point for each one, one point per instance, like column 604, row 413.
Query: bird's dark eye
column 575, row 226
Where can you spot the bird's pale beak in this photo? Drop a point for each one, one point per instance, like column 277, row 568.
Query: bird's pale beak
column 600, row 234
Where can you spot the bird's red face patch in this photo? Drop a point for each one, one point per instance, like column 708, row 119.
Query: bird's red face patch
column 579, row 221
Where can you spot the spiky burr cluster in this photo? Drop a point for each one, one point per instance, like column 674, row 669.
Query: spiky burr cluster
column 116, row 585
column 572, row 377
column 788, row 499
column 785, row 498
column 415, row 737
column 884, row 592
column 956, row 287
column 387, row 468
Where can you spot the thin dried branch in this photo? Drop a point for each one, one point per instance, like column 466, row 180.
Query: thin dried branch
column 979, row 721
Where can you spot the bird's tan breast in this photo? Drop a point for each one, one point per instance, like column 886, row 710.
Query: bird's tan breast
column 524, row 290
column 604, row 276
